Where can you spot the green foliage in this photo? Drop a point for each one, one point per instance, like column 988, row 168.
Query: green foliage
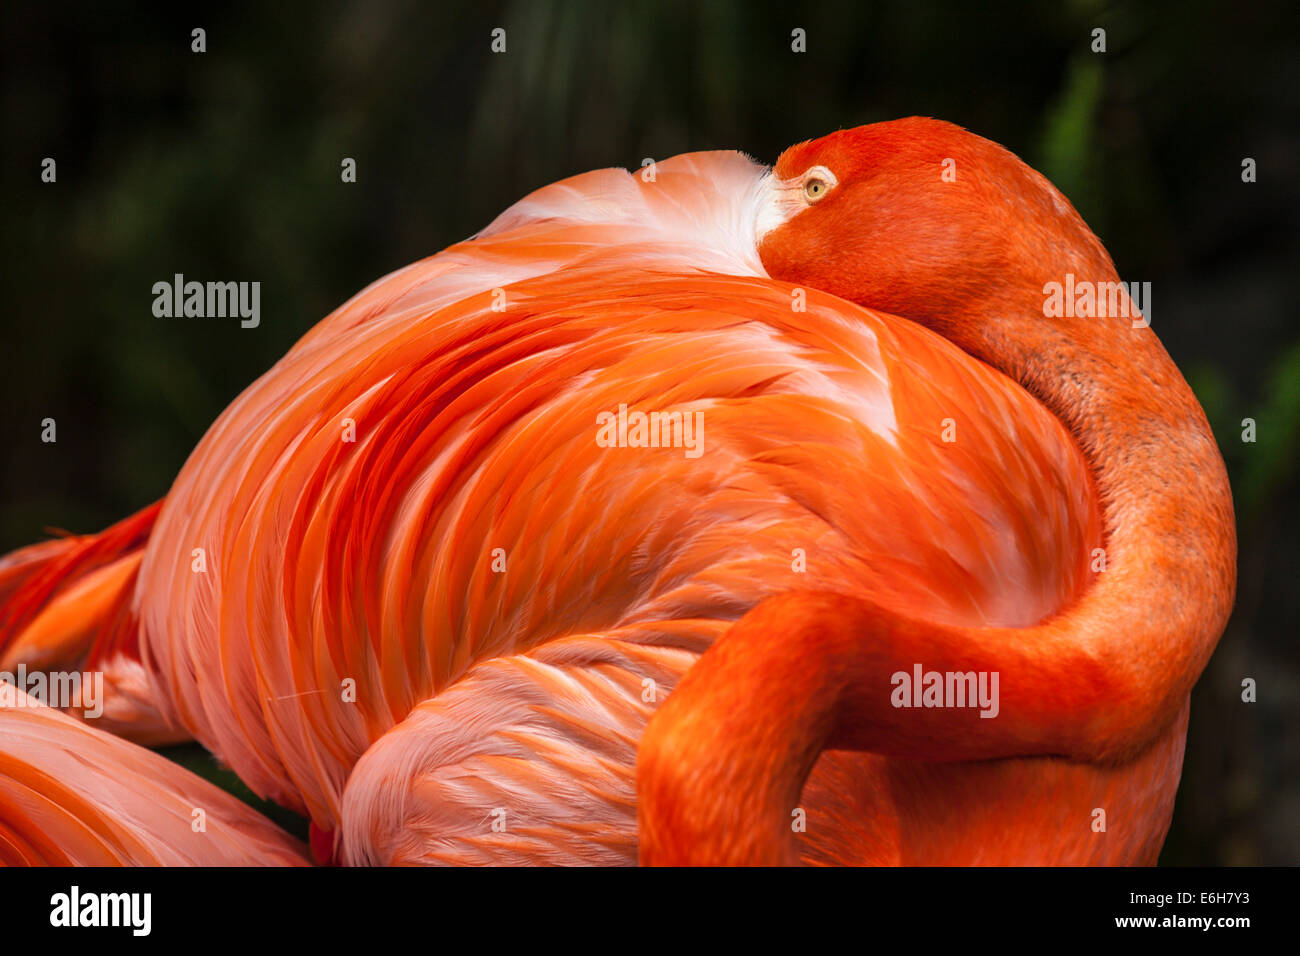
column 1070, row 134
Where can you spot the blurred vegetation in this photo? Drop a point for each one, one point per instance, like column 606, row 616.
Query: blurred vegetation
column 226, row 165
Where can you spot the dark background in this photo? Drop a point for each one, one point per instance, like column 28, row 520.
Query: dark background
column 225, row 165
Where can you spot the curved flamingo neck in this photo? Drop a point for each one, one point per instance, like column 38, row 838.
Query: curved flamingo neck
column 1169, row 532
column 724, row 760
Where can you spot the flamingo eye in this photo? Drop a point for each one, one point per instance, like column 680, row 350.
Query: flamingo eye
column 815, row 189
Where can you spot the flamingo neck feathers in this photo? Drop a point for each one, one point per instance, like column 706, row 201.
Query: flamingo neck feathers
column 723, row 762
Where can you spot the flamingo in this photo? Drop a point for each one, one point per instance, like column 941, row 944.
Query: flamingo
column 431, row 583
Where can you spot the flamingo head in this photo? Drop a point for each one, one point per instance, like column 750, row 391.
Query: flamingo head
column 924, row 220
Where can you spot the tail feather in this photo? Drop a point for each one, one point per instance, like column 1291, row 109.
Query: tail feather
column 66, row 605
column 33, row 579
column 71, row 795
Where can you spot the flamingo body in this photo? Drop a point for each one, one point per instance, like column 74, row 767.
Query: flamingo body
column 434, row 614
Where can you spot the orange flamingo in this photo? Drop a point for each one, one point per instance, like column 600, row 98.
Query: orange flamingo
column 406, row 587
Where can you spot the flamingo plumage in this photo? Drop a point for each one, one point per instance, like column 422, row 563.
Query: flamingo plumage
column 401, row 588
column 74, row 795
